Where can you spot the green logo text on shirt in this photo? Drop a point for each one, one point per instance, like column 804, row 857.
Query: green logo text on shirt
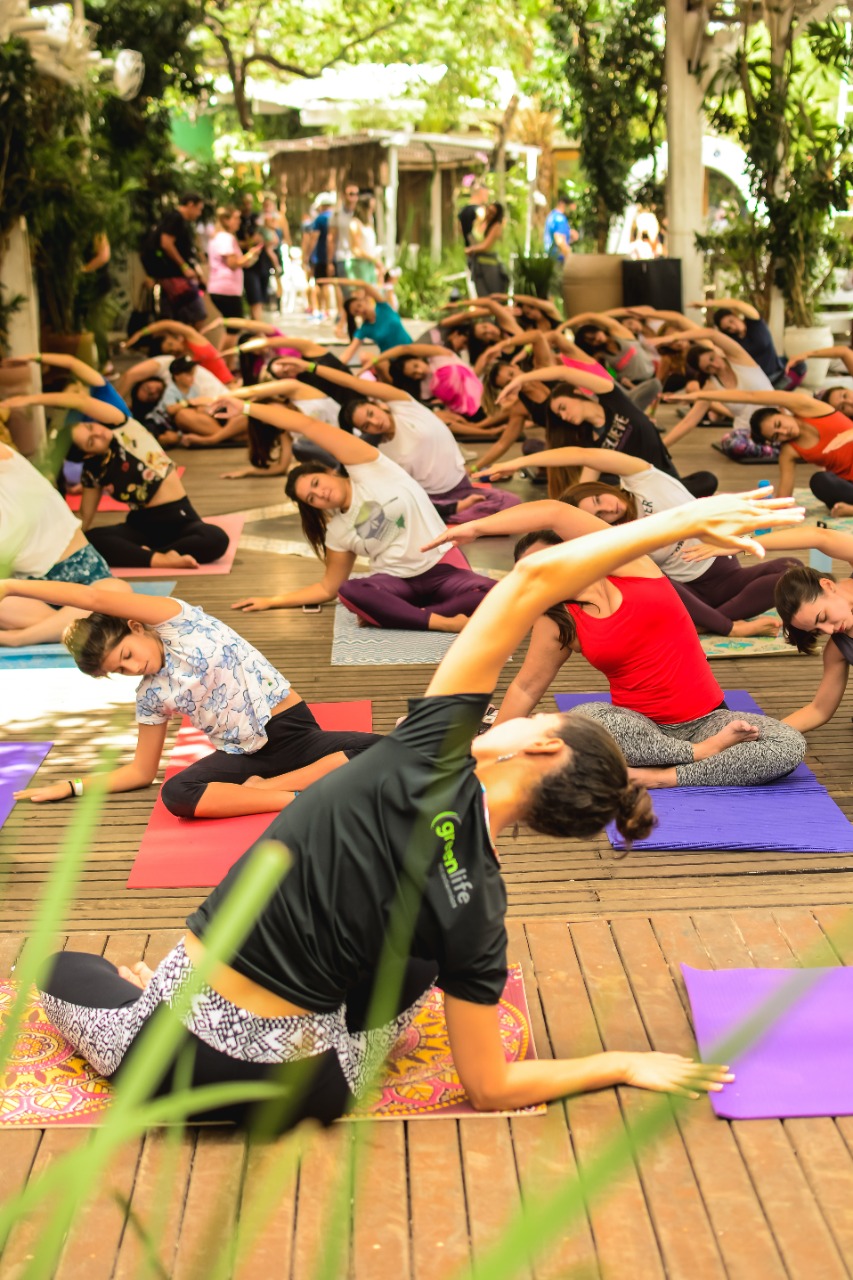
column 458, row 885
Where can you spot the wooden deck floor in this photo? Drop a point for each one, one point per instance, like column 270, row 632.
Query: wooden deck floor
column 601, row 942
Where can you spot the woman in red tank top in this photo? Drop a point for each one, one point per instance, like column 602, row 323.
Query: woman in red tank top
column 806, row 428
column 668, row 713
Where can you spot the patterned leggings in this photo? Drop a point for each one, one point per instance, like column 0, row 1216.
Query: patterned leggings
column 646, row 745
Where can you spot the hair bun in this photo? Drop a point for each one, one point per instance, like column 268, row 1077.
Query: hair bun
column 635, row 815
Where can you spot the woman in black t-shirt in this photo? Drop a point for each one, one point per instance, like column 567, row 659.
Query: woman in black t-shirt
column 394, row 855
column 606, row 419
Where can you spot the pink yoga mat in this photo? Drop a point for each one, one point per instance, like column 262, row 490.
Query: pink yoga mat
column 107, row 502
column 233, row 526
column 183, row 853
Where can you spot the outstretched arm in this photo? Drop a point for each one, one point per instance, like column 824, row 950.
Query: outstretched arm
column 377, row 294
column 731, row 304
column 796, row 402
column 378, row 390
column 561, row 573
column 829, row 353
column 591, row 381
column 140, row 772
column 288, row 387
column 604, row 320
column 164, row 326
column 830, row 691
column 421, row 349
column 339, row 566
column 596, row 460
column 346, row 448
column 77, row 368
column 96, row 410
column 150, row 610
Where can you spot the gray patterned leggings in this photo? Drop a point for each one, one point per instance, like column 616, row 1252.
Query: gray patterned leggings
column 646, row 745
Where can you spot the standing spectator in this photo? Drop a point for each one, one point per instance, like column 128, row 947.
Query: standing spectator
column 315, row 251
column 367, row 262
column 93, row 306
column 226, row 262
column 487, row 271
column 170, row 256
column 340, row 248
column 470, row 214
column 256, row 278
column 559, row 235
column 641, row 248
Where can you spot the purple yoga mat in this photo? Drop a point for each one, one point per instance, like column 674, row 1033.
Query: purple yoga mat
column 795, row 1028
column 793, row 815
column 18, row 763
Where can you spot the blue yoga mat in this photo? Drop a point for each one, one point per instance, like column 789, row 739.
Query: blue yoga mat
column 56, row 655
column 18, row 762
column 794, row 814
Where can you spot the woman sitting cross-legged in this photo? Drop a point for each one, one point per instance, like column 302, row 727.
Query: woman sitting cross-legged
column 267, row 742
column 163, row 529
column 720, row 595
column 378, row 511
column 413, row 437
column 669, row 714
column 414, row 822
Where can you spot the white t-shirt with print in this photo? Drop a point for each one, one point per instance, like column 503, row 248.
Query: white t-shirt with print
column 389, row 519
column 36, row 524
column 324, row 408
column 424, row 447
column 205, row 383
column 654, row 492
column 212, row 675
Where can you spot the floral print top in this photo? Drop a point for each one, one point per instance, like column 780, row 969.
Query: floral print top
column 225, row 686
column 132, row 469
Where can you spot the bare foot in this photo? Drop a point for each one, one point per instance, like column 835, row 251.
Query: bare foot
column 654, row 778
column 456, row 623
column 841, row 509
column 139, row 974
column 729, row 736
column 470, row 501
column 173, row 560
column 760, row 626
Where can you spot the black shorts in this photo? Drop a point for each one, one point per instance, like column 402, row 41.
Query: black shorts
column 228, row 304
column 256, row 287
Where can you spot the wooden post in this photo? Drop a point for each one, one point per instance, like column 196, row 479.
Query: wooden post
column 391, row 204
column 435, row 214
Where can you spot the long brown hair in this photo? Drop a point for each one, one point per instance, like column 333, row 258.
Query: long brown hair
column 575, row 494
column 798, row 586
column 313, row 521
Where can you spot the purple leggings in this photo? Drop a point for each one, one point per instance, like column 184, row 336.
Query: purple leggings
column 493, row 500
column 406, row 603
column 726, row 593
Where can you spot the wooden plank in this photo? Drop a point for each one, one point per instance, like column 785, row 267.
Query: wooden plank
column 321, row 1171
column 93, row 1242
column 620, row 1224
column 213, row 1194
column 675, row 1203
column 267, row 1248
column 491, row 1183
column 159, row 1200
column 380, row 1243
column 440, row 1242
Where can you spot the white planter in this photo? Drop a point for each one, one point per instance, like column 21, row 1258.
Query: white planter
column 798, row 340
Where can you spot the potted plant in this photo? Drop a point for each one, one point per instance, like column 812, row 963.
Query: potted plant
column 774, row 95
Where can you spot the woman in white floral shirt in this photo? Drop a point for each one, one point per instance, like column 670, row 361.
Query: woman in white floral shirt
column 266, row 742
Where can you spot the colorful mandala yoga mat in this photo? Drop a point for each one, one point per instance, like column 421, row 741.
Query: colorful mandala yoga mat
column 46, row 1085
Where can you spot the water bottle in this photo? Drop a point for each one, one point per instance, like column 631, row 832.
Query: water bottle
column 817, row 559
column 763, row 484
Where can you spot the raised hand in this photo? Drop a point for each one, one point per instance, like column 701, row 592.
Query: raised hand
column 670, row 1073
column 727, row 519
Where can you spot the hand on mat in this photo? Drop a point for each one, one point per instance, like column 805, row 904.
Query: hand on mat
column 255, row 604
column 670, row 1073
column 56, row 791
column 458, row 536
column 727, row 519
column 139, row 974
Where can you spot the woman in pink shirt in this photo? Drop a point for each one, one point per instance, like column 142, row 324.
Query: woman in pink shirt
column 226, row 261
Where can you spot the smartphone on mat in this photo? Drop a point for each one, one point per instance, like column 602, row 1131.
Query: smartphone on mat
column 311, row 608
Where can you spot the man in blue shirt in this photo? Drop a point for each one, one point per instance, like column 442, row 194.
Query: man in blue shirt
column 558, row 231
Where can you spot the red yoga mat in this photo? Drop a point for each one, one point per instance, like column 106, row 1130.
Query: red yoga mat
column 189, row 853
column 107, row 502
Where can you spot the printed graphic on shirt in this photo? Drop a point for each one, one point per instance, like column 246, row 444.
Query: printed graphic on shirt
column 454, row 877
column 618, row 430
column 375, row 527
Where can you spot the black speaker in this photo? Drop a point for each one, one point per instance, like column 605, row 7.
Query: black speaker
column 653, row 282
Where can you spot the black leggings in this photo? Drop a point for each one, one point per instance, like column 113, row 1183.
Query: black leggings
column 294, row 740
column 727, row 592
column 175, row 526
column 315, row 1087
column 831, row 488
